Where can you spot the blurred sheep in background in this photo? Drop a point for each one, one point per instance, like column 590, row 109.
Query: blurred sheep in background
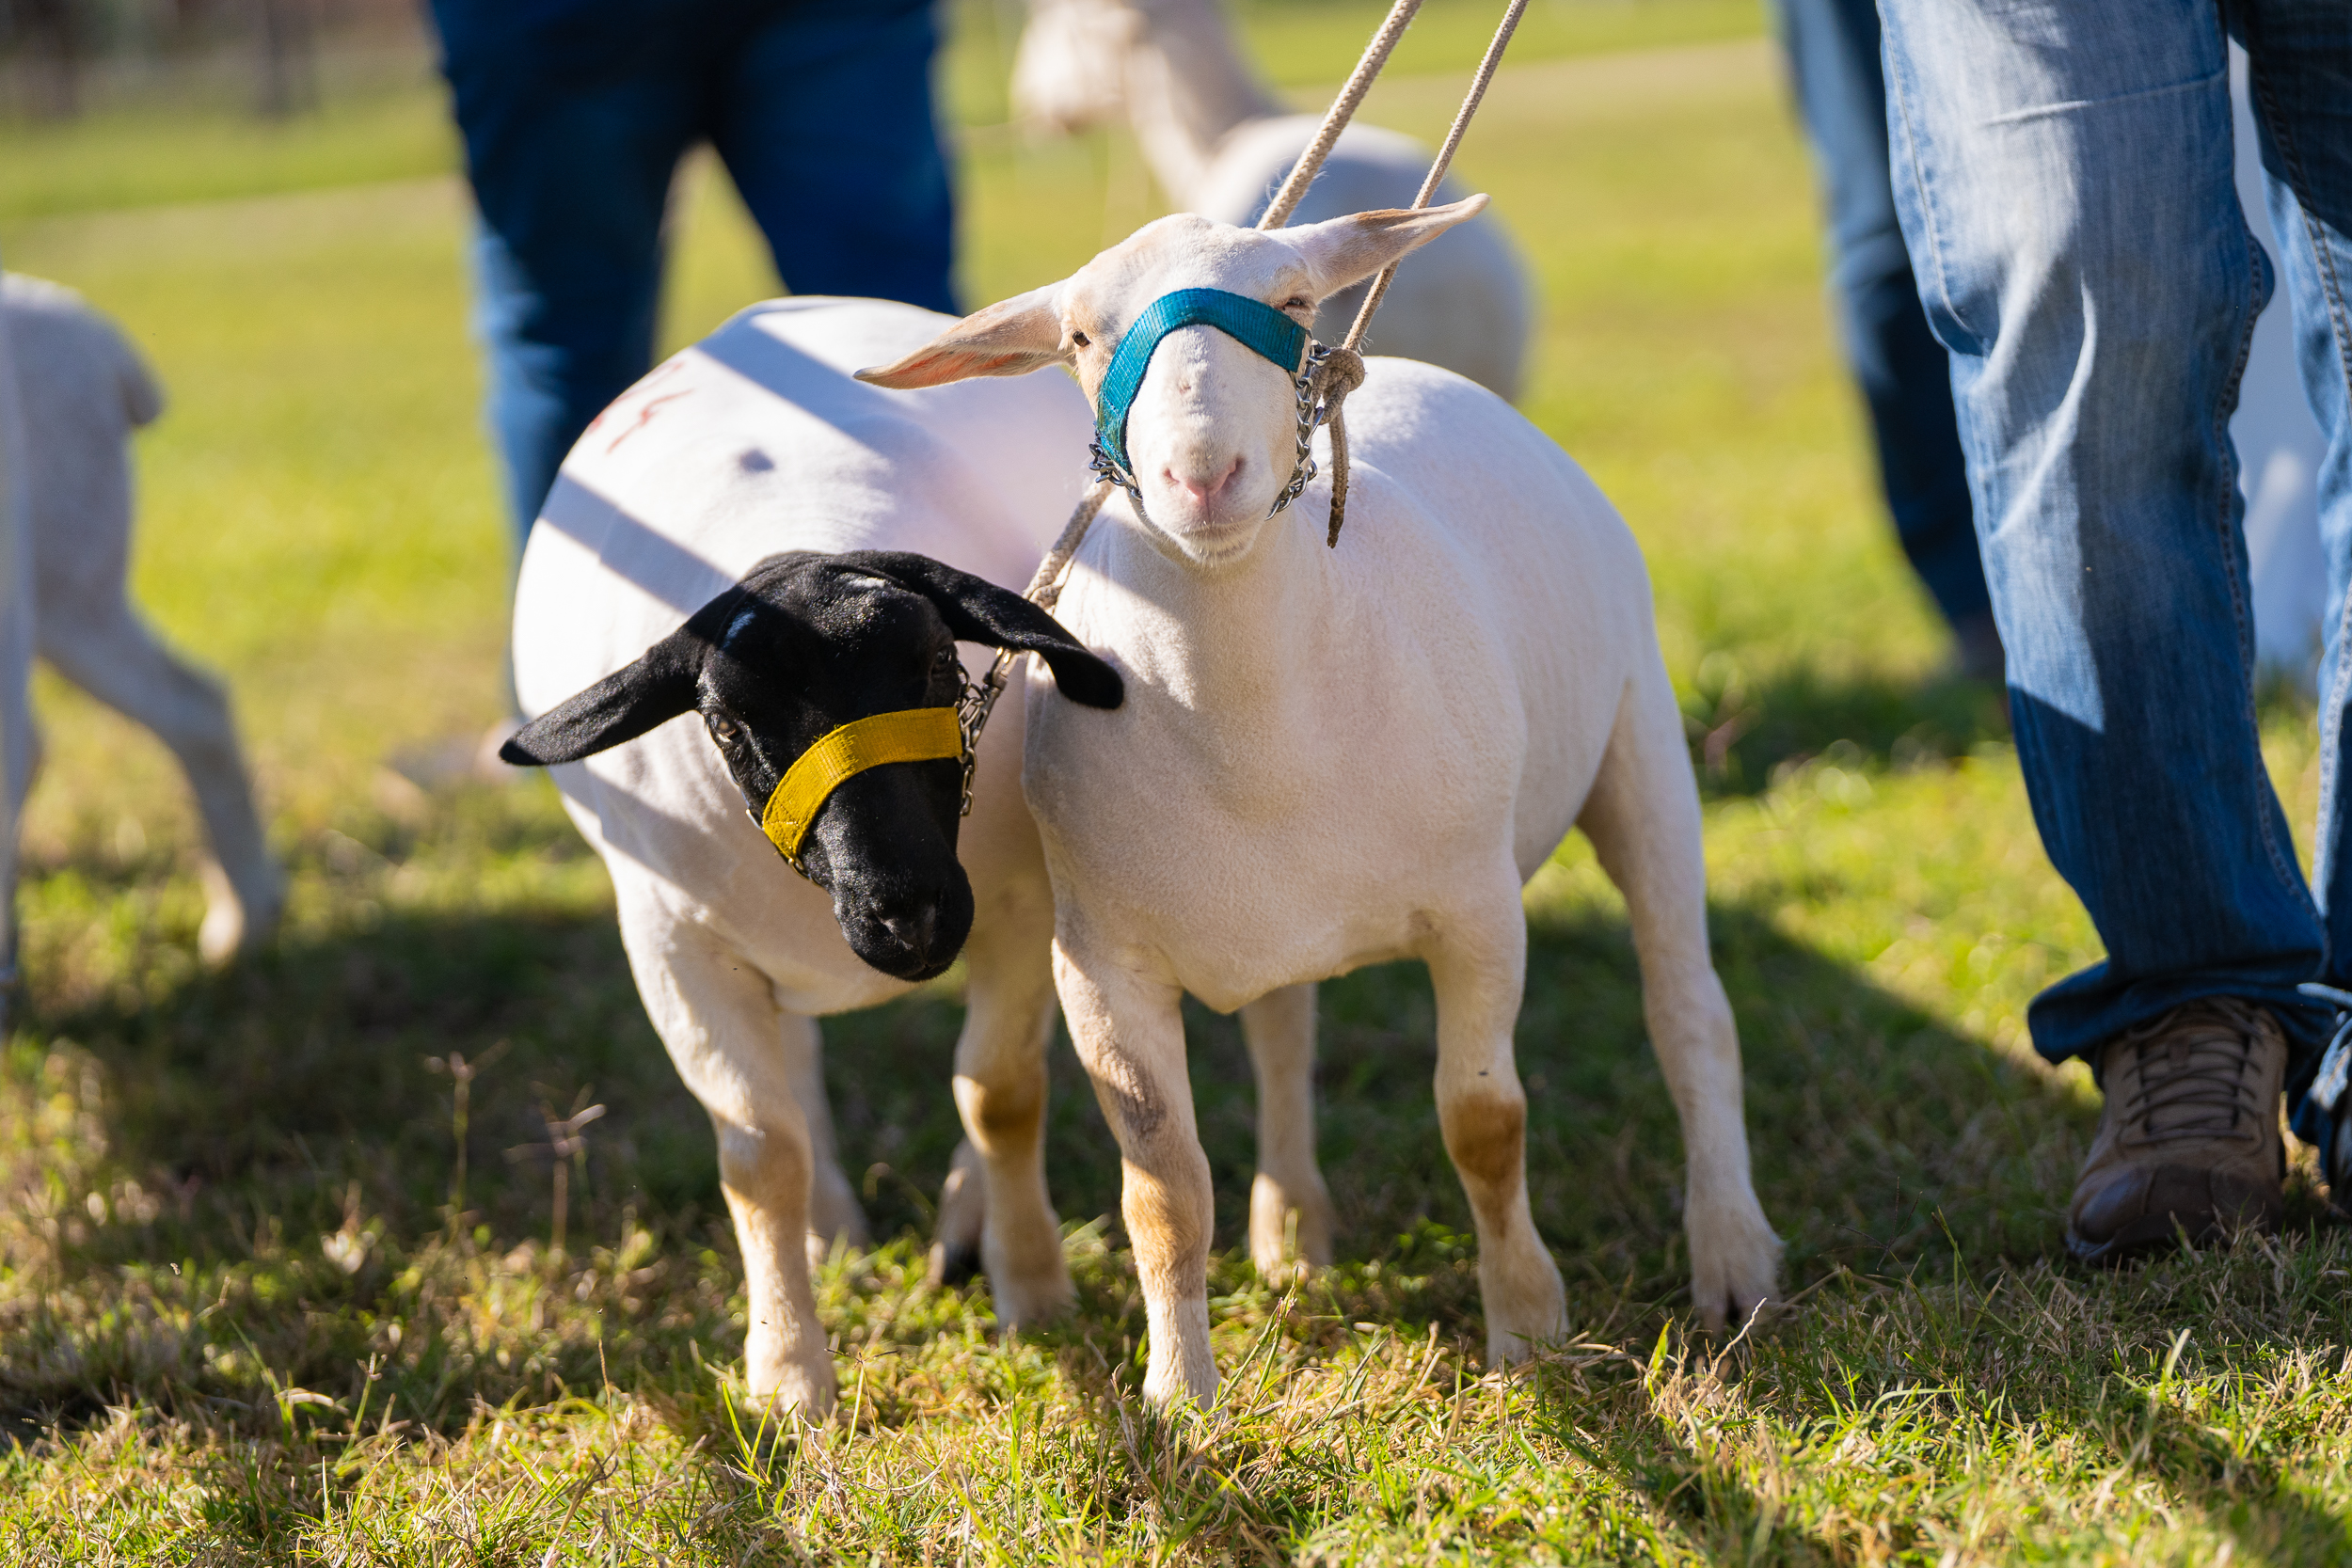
column 82, row 391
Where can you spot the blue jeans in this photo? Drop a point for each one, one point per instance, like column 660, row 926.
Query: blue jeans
column 1905, row 380
column 2063, row 176
column 575, row 114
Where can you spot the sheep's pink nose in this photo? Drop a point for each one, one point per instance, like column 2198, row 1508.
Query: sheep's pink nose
column 1202, row 494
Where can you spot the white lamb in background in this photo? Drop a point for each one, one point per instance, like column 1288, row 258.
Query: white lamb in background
column 1219, row 143
column 83, row 389
column 1328, row 758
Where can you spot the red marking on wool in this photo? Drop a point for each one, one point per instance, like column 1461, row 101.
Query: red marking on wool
column 668, row 367
column 644, row 417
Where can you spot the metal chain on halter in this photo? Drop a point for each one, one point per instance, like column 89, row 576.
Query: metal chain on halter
column 1104, row 467
column 1306, row 384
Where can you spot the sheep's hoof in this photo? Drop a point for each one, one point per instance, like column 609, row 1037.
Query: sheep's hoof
column 235, row 923
column 1290, row 1228
column 956, row 1264
column 1735, row 1261
column 791, row 1400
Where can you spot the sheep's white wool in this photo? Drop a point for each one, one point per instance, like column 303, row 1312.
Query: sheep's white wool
column 83, row 391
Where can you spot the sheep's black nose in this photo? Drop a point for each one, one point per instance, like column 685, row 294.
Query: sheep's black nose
column 904, row 933
column 914, row 931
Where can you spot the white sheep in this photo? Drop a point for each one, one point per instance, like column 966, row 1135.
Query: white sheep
column 680, row 504
column 1219, row 143
column 1334, row 758
column 83, row 390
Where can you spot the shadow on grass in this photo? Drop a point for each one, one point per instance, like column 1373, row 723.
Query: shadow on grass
column 252, row 1191
column 1744, row 730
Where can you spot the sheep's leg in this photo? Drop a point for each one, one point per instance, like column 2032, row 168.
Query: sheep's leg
column 1130, row 1033
column 1478, row 965
column 1279, row 1028
column 833, row 1215
column 1642, row 817
column 719, row 1019
column 110, row 654
column 999, row 1177
column 963, row 1219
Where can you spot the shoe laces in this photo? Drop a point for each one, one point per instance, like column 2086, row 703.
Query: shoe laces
column 2195, row 1074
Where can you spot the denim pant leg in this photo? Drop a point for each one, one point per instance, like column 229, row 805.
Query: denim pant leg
column 1905, row 380
column 2299, row 52
column 823, row 119
column 2063, row 176
column 572, row 128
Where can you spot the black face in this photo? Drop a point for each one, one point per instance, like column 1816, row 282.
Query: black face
column 884, row 844
column 802, row 646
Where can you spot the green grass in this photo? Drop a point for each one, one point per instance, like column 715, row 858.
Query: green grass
column 140, row 158
column 242, row 1321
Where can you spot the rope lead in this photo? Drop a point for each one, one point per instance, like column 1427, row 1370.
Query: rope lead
column 1343, row 109
column 1044, row 590
column 1341, row 373
column 1327, row 134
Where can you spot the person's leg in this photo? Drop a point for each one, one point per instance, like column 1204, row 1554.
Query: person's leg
column 2064, row 177
column 2299, row 52
column 1905, row 380
column 824, row 121
column 2064, row 181
column 571, row 138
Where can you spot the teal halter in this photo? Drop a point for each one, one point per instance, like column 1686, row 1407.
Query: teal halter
column 1254, row 325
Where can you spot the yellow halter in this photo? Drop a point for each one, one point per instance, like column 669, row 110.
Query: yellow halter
column 910, row 735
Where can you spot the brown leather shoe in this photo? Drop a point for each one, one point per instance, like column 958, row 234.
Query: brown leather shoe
column 2189, row 1141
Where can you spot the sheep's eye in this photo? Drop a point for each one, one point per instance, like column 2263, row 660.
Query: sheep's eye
column 1296, row 302
column 1079, row 339
column 723, row 729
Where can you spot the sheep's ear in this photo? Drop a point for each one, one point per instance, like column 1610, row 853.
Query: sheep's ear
column 1010, row 337
column 1345, row 250
column 979, row 611
column 621, row 706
